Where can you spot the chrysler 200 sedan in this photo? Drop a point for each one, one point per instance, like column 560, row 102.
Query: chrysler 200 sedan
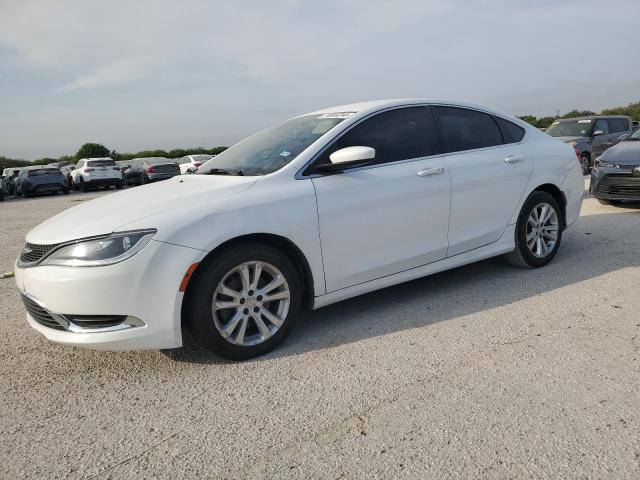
column 320, row 208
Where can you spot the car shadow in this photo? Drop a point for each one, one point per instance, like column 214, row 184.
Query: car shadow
column 589, row 249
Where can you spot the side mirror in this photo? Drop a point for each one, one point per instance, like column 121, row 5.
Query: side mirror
column 598, row 133
column 348, row 157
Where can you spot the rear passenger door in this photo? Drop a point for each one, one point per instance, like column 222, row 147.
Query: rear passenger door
column 618, row 127
column 489, row 173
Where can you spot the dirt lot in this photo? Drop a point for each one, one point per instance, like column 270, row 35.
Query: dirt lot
column 484, row 371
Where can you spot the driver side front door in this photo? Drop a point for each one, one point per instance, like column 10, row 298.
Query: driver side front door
column 391, row 215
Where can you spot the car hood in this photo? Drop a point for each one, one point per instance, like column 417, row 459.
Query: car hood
column 114, row 211
column 624, row 153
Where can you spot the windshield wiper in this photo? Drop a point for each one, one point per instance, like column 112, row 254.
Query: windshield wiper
column 222, row 171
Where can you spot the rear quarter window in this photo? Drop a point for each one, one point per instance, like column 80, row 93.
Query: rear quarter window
column 511, row 132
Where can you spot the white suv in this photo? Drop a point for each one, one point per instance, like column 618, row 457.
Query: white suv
column 96, row 173
column 190, row 163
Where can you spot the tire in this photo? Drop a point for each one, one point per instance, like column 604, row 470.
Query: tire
column 206, row 322
column 119, row 186
column 83, row 185
column 585, row 163
column 143, row 180
column 608, row 202
column 75, row 185
column 65, row 191
column 541, row 253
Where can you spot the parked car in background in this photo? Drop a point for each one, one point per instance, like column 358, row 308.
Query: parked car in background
column 65, row 168
column 96, row 173
column 395, row 189
column 40, row 179
column 8, row 178
column 616, row 176
column 124, row 165
column 591, row 136
column 190, row 163
column 151, row 169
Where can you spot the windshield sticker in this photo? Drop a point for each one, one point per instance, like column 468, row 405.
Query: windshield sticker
column 342, row 115
column 584, row 121
column 285, row 154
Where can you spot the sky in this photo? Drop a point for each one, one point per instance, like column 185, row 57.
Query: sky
column 150, row 74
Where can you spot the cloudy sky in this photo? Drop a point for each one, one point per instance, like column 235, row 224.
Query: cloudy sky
column 163, row 74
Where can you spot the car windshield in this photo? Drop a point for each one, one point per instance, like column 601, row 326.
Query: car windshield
column 270, row 150
column 570, row 128
column 101, row 163
column 634, row 137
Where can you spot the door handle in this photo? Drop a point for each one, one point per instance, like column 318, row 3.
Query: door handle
column 514, row 159
column 429, row 172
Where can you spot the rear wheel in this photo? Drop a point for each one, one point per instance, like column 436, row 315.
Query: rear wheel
column 244, row 303
column 538, row 231
column 119, row 186
column 83, row 185
column 65, row 191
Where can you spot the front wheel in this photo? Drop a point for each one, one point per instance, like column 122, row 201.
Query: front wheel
column 585, row 163
column 538, row 231
column 244, row 303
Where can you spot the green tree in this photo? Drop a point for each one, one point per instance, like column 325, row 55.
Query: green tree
column 92, row 150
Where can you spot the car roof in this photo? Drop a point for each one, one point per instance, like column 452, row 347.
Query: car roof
column 591, row 117
column 375, row 105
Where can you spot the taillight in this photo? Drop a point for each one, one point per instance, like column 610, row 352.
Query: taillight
column 149, row 169
column 197, row 164
column 88, row 170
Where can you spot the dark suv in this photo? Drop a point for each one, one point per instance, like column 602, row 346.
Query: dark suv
column 591, row 136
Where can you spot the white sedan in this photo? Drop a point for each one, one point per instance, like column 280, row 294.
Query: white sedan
column 320, row 208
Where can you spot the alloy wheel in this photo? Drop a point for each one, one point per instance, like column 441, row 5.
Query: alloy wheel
column 251, row 303
column 542, row 230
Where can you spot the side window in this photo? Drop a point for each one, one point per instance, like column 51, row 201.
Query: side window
column 400, row 134
column 464, row 129
column 601, row 124
column 618, row 125
column 511, row 132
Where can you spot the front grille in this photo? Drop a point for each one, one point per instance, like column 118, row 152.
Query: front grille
column 619, row 187
column 32, row 253
column 39, row 314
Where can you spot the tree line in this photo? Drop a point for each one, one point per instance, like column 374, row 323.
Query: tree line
column 632, row 110
column 89, row 150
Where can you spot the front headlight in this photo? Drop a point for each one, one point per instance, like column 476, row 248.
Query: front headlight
column 101, row 251
column 604, row 163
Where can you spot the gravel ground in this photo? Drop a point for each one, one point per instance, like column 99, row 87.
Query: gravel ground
column 483, row 371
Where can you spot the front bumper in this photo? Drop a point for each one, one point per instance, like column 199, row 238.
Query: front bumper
column 142, row 289
column 615, row 184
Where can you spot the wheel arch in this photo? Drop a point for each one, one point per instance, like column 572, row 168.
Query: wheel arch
column 280, row 243
column 558, row 195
